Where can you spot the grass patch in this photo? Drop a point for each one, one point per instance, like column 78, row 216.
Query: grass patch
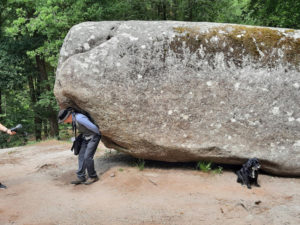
column 204, row 166
column 11, row 152
column 218, row 170
column 33, row 142
column 140, row 164
column 208, row 167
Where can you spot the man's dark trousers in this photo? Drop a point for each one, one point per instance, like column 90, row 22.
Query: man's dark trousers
column 86, row 157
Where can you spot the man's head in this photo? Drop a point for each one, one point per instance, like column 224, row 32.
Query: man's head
column 65, row 116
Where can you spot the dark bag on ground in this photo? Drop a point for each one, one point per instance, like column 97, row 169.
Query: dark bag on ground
column 77, row 144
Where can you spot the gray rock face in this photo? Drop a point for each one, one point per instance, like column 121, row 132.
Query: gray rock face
column 182, row 91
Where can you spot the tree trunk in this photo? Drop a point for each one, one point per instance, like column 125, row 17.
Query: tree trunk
column 38, row 128
column 174, row 10
column 51, row 112
column 190, row 10
column 54, row 131
column 164, row 9
column 33, row 97
column 45, row 128
column 1, row 102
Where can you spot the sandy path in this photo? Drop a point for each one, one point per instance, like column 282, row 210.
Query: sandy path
column 39, row 192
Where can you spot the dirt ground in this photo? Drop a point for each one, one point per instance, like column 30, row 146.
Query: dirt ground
column 39, row 193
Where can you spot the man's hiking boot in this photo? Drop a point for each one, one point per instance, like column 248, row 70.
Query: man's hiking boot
column 78, row 181
column 2, row 186
column 91, row 180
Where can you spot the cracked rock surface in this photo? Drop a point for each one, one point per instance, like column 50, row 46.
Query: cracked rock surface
column 186, row 91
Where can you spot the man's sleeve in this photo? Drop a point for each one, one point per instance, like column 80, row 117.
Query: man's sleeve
column 84, row 120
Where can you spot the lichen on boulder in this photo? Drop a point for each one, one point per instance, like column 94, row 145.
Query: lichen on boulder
column 265, row 46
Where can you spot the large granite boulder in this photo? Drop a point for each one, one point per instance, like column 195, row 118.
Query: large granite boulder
column 183, row 91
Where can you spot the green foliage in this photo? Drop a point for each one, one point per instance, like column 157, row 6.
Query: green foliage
column 7, row 141
column 50, row 20
column 15, row 109
column 43, row 25
column 184, row 10
column 218, row 170
column 208, row 167
column 204, row 166
column 66, row 132
column 11, row 65
column 275, row 13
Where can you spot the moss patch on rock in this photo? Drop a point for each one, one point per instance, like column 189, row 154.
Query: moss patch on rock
column 261, row 45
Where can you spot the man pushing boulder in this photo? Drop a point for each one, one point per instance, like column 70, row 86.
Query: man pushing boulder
column 90, row 139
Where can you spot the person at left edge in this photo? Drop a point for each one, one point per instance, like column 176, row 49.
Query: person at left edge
column 91, row 138
column 7, row 131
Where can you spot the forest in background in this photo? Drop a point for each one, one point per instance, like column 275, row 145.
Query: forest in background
column 32, row 33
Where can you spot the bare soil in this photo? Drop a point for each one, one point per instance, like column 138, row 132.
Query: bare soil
column 39, row 193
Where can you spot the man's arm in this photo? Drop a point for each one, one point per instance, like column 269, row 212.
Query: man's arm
column 6, row 130
column 84, row 120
